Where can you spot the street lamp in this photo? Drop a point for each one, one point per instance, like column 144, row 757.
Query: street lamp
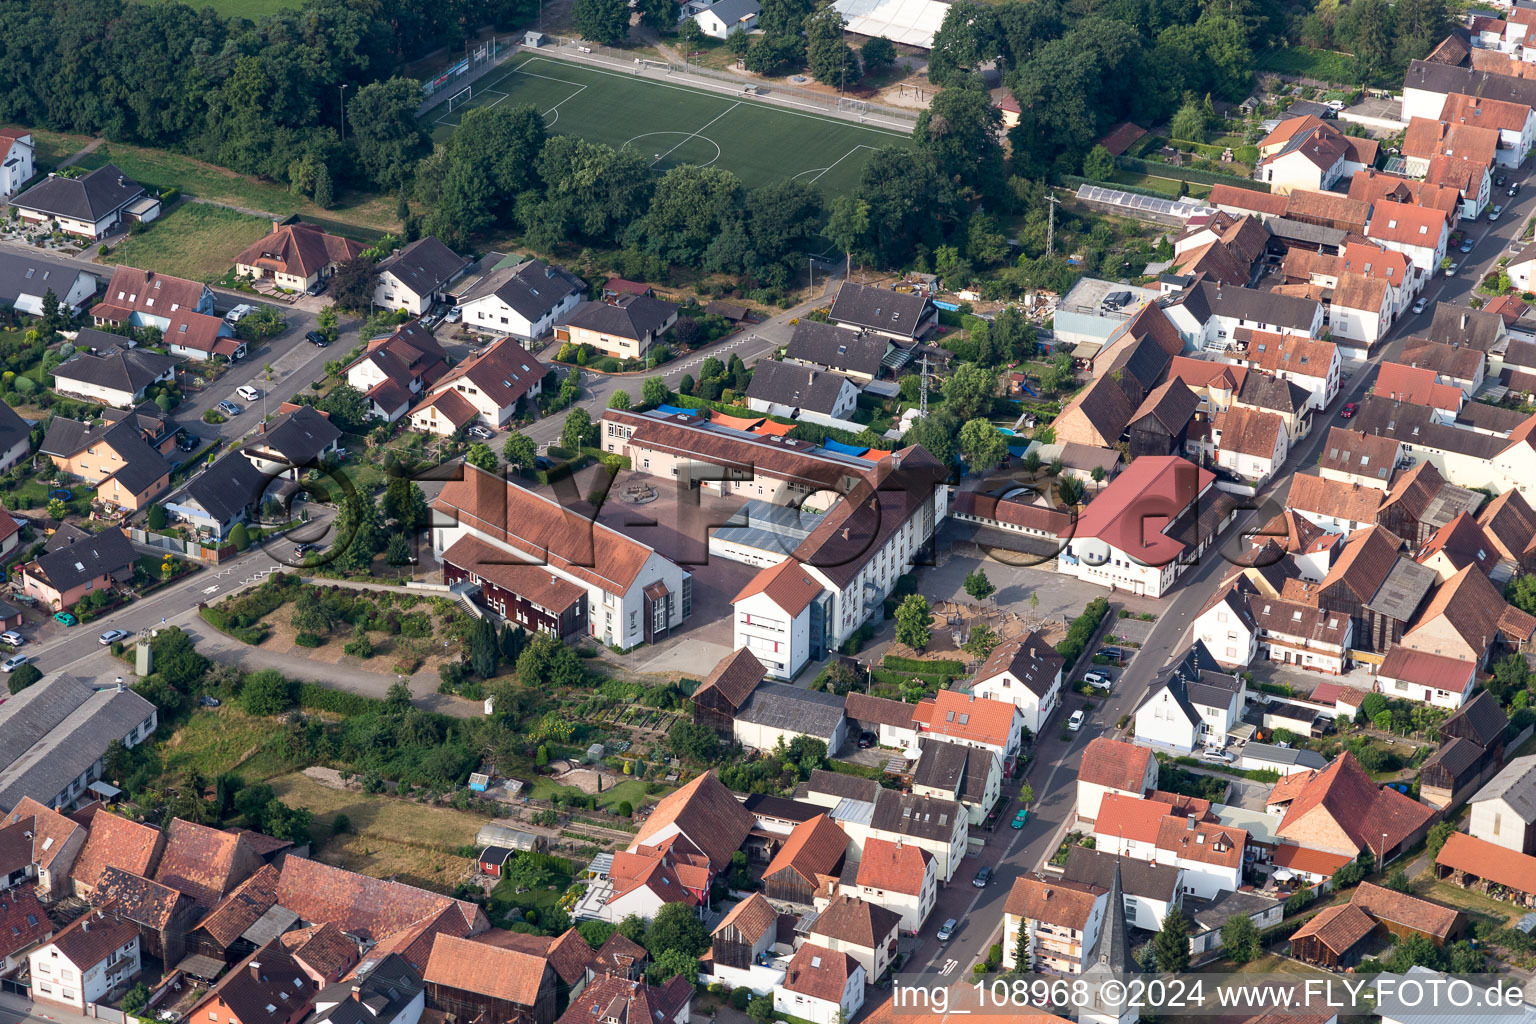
column 343, row 89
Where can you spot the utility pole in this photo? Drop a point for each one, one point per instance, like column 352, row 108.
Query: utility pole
column 1050, row 224
column 344, row 111
column 922, row 393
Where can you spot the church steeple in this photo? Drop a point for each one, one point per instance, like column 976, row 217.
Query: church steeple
column 1111, row 959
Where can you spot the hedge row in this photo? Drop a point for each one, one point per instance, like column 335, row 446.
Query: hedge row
column 935, row 665
column 1162, row 170
column 1082, row 631
column 253, row 634
column 315, row 697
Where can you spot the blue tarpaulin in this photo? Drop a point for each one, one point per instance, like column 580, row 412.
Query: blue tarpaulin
column 842, row 449
column 672, row 410
column 953, row 307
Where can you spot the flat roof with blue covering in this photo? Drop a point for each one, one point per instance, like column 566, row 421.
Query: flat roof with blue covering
column 843, row 449
column 672, row 410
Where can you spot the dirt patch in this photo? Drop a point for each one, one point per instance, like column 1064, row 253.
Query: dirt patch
column 584, row 779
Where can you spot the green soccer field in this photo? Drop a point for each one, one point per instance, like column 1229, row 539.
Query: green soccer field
column 675, row 124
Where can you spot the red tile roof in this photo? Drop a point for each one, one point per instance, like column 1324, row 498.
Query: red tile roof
column 787, row 584
column 323, row 949
column 1220, row 845
column 1417, row 386
column 856, row 921
column 897, row 867
column 114, row 841
column 813, row 848
column 1316, row 862
column 371, row 908
column 1115, row 764
column 144, row 291
column 734, row 677
column 1399, row 908
column 1121, row 137
column 1132, row 511
column 819, row 973
column 1405, row 224
column 483, row 970
column 754, row 917
column 1338, row 928
column 1497, row 864
column 203, row 862
column 569, row 955
column 1356, row 806
column 242, row 908
column 1463, row 542
column 1055, row 901
column 707, row 813
column 23, row 921
column 94, row 936
column 301, row 250
column 534, row 583
column 966, row 717
column 51, row 831
column 1125, row 817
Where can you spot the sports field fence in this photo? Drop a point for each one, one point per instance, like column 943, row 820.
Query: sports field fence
column 833, row 104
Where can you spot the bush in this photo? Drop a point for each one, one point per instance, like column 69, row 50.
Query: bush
column 740, row 997
column 308, row 640
column 626, row 809
column 314, row 697
column 359, row 647
column 266, row 692
column 1082, row 631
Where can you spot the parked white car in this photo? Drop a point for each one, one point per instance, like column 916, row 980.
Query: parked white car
column 1076, row 721
column 247, row 392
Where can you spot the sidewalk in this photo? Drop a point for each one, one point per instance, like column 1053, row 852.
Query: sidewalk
column 15, row 1008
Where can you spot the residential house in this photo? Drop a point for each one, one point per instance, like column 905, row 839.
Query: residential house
column 1465, row 618
column 972, row 721
column 1147, row 526
column 813, row 852
column 1094, row 309
column 88, row 962
column 821, row 986
column 1504, row 810
column 865, row 931
column 58, row 579
column 1197, row 705
column 971, row 776
column 624, row 328
column 24, row 923
column 1302, row 634
column 779, row 712
column 1306, row 362
column 1305, row 152
column 59, row 728
column 1419, row 386
column 1522, row 268
column 634, row 595
column 1515, row 123
column 1371, row 186
column 1340, row 810
column 92, row 206
column 703, row 812
column 1509, row 524
column 16, row 149
column 1150, row 889
column 416, row 278
column 867, row 811
column 181, row 310
column 323, row 951
column 897, row 876
column 1265, row 393
column 1208, row 315
column 799, row 393
column 269, row 977
column 26, row 280
column 1361, row 310
column 41, row 843
column 163, row 915
column 1210, row 855
column 1366, row 460
column 1026, row 673
column 521, row 298
column 1419, row 233
column 723, row 17
column 773, row 615
column 1252, row 443
column 619, row 1000
column 113, row 376
column 856, row 354
column 1334, row 505
column 294, row 443
column 219, row 497
column 1227, row 626
column 1059, row 921
column 1113, row 766
column 1456, row 545
column 296, row 257
column 726, row 690
column 112, row 455
column 396, row 369
column 468, row 979
column 384, row 990
column 1460, row 365
column 15, row 438
column 900, row 316
column 486, row 388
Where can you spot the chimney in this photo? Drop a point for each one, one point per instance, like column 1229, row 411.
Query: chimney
column 1046, row 895
column 255, row 970
column 896, row 460
column 277, row 225
column 261, row 428
column 85, row 926
column 357, row 994
column 845, row 533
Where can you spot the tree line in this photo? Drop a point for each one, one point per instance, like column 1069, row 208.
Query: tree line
column 260, row 98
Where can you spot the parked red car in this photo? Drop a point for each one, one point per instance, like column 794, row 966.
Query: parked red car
column 1349, row 410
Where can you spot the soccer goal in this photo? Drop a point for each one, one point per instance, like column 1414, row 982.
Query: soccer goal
column 460, row 98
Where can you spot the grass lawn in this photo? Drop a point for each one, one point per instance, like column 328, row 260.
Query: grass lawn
column 390, row 837
column 50, row 148
column 227, row 739
column 759, row 144
column 33, row 493
column 1168, row 186
column 1469, row 900
column 193, row 240
column 164, row 169
column 1307, row 62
